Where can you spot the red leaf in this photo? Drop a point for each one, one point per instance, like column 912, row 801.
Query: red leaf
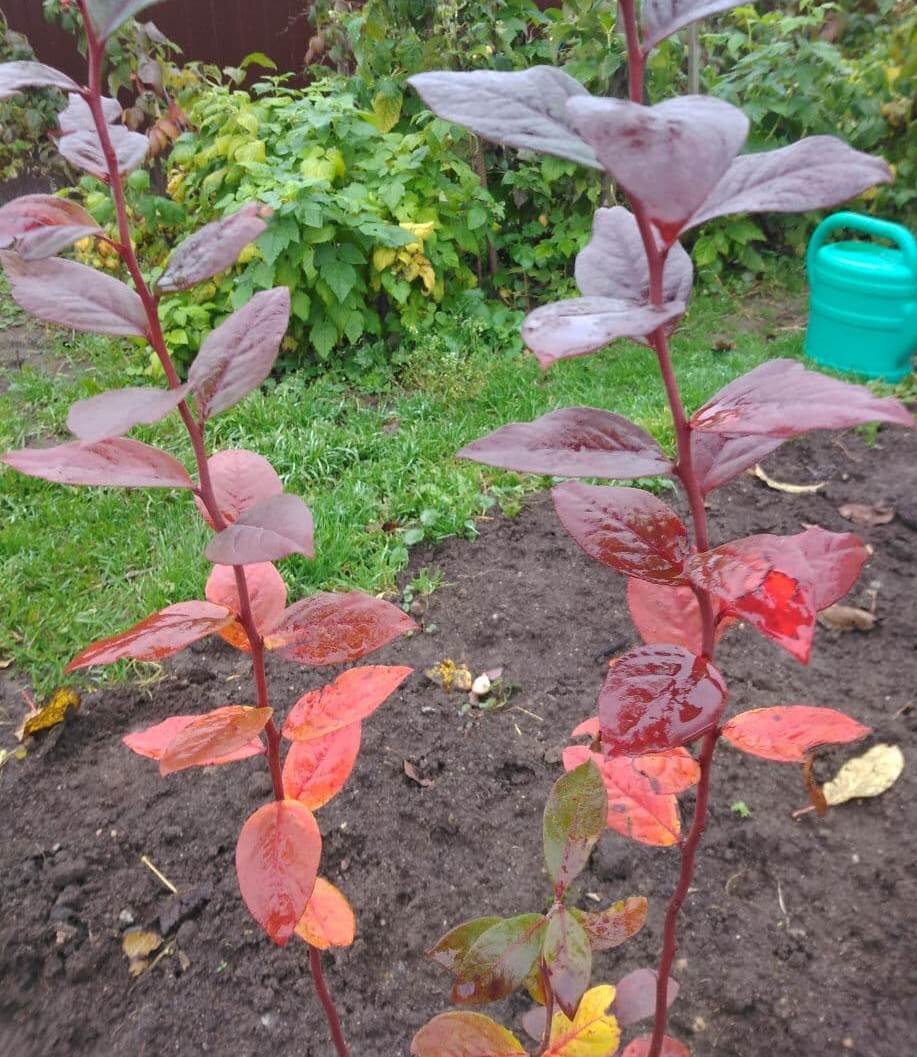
column 626, row 528
column 118, row 462
column 84, row 150
column 573, row 442
column 662, row 18
column 657, row 698
column 266, row 532
column 39, row 226
column 315, row 771
column 116, row 412
column 240, row 479
column 328, row 920
column 236, row 357
column 783, row 399
column 277, row 859
column 664, row 614
column 107, row 15
column 64, row 292
column 153, row 741
column 352, row 697
column 76, row 116
column 670, row 1047
column 216, row 735
column 634, row 809
column 567, row 956
column 788, row 733
column 462, row 1034
column 335, row 628
column 588, row 728
column 14, row 76
column 213, row 248
column 267, row 594
column 614, row 925
column 160, row 635
column 669, row 772
column 718, row 459
column 635, row 996
column 833, row 561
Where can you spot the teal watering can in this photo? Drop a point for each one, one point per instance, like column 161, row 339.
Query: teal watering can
column 863, row 298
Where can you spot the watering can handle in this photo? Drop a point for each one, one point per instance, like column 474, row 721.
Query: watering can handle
column 882, row 229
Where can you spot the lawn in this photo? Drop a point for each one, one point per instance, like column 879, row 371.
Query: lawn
column 378, row 469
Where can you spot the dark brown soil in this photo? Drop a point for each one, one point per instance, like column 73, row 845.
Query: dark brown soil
column 793, row 938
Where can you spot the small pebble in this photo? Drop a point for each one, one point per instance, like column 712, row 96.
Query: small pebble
column 127, row 917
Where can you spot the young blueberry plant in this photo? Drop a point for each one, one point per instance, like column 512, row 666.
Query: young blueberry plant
column 238, row 494
column 678, row 164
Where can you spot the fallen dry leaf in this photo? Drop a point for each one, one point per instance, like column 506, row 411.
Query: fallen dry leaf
column 450, row 676
column 411, row 771
column 50, row 714
column 847, row 618
column 782, row 486
column 866, row 514
column 868, row 775
column 138, row 945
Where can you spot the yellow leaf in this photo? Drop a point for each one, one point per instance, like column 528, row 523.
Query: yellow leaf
column 386, row 111
column 383, row 257
column 450, row 676
column 868, row 775
column 52, row 713
column 420, row 231
column 594, row 1032
column 138, row 945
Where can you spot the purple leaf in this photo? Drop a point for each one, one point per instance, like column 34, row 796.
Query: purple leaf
column 668, row 157
column 237, row 356
column 77, row 116
column 563, row 329
column 84, row 150
column 107, row 15
column 572, row 442
column 783, row 399
column 213, row 249
column 119, row 462
column 635, row 996
column 266, row 532
column 662, row 18
column 14, row 76
column 39, row 226
column 64, row 292
column 240, row 479
column 526, row 109
column 717, row 459
column 116, row 412
column 814, row 173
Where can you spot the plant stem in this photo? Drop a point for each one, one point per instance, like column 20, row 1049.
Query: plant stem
column 331, row 1013
column 548, row 1012
column 635, row 58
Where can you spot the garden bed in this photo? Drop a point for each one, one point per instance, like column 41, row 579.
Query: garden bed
column 793, row 942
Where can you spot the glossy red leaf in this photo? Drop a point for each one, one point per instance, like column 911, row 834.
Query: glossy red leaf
column 159, row 635
column 215, row 735
column 77, row 116
column 662, row 18
column 626, row 528
column 462, row 1034
column 574, row 819
column 14, row 76
column 153, row 741
column 609, row 928
column 499, row 960
column 640, row 1047
column 814, row 173
column 788, row 733
column 108, row 463
column 634, row 809
column 39, row 226
column 564, row 329
column 567, row 956
column 833, row 561
column 266, row 532
column 328, row 920
column 107, row 15
column 336, row 628
column 116, row 412
column 240, row 479
column 277, row 859
column 353, row 696
column 237, row 357
column 525, row 109
column 315, row 771
column 783, row 399
column 449, row 950
column 667, row 157
column 656, row 698
column 588, row 728
column 635, row 996
column 665, row 614
column 717, row 459
column 213, row 248
column 572, row 442
column 83, row 150
column 64, row 292
column 267, row 595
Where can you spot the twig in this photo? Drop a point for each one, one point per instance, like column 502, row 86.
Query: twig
column 161, row 877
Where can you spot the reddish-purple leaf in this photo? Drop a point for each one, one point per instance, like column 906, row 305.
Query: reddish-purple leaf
column 717, row 458
column 237, row 356
column 567, row 957
column 813, row 173
column 563, row 329
column 213, row 736
column 267, row 595
column 669, row 156
column 788, row 733
column 449, row 950
column 626, row 528
column 240, row 479
column 77, row 117
column 84, row 150
column 14, row 76
column 572, row 442
column 499, row 960
column 783, row 399
column 153, row 741
column 213, row 249
column 462, row 1034
column 635, row 996
column 574, row 819
column 64, row 292
column 525, row 109
column 640, row 1047
column 614, row 925
column 657, row 698
column 277, row 859
column 108, row 463
column 336, row 628
column 662, row 18
column 159, row 635
column 266, row 532
column 107, row 15
column 117, row 411
column 833, row 561
column 39, row 226
column 315, row 771
column 665, row 614
column 353, row 696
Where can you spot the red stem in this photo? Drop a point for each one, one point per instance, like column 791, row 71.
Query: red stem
column 548, row 1011
column 636, row 60
column 331, row 1014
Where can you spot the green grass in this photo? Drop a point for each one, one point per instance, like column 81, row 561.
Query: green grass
column 378, row 470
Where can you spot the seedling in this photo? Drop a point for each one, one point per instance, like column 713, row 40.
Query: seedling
column 679, row 165
column 238, row 493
